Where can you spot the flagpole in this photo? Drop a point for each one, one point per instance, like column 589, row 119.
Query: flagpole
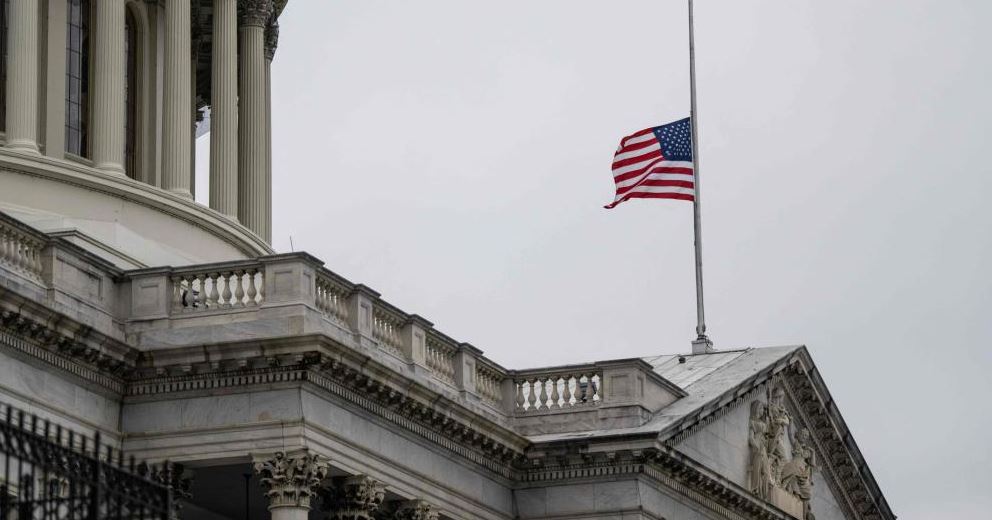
column 702, row 343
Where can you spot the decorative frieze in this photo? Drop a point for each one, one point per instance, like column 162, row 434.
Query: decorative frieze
column 291, row 481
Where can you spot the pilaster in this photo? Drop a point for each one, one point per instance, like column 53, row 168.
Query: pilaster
column 22, row 76
column 178, row 118
column 108, row 93
column 290, row 482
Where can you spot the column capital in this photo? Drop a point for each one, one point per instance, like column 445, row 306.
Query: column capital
column 175, row 477
column 291, row 481
column 254, row 12
column 415, row 510
column 357, row 498
column 271, row 37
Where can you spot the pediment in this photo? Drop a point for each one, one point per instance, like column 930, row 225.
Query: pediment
column 779, row 435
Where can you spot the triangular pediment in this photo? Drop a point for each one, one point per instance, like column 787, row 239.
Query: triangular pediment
column 778, row 434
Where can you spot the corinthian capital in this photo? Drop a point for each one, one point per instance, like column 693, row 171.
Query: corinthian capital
column 291, row 481
column 415, row 510
column 254, row 12
column 358, row 498
column 271, row 38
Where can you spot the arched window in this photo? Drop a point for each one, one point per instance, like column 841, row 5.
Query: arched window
column 4, row 10
column 77, row 77
column 131, row 96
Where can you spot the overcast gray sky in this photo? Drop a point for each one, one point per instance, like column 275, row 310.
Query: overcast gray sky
column 455, row 156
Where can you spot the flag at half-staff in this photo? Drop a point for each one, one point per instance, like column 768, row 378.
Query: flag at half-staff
column 655, row 163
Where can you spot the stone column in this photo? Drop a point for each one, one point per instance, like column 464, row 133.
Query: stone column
column 108, row 81
column 358, row 498
column 178, row 99
column 271, row 42
column 224, row 109
column 290, row 482
column 22, row 76
column 252, row 141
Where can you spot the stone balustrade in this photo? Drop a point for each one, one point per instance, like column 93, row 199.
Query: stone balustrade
column 440, row 357
column 227, row 287
column 537, row 391
column 20, row 248
column 332, row 296
column 387, row 321
column 293, row 294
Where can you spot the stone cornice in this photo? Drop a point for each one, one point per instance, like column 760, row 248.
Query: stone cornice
column 665, row 465
column 348, row 375
column 839, row 451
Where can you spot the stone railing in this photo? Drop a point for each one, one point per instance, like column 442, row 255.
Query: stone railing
column 20, row 247
column 440, row 357
column 332, row 296
column 540, row 390
column 223, row 286
column 489, row 382
column 387, row 322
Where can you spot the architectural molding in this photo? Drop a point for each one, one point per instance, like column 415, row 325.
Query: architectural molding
column 271, row 38
column 122, row 187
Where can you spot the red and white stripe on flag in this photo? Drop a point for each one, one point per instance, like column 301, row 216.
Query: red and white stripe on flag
column 655, row 163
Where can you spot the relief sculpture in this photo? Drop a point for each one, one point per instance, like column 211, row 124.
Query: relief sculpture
column 785, row 479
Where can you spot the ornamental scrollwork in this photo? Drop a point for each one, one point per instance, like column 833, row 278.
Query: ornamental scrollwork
column 254, row 12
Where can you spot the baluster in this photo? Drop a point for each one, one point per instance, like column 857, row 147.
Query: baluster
column 554, row 393
column 531, row 394
column 201, row 291
column 226, row 294
column 213, row 295
column 37, row 260
column 519, row 400
column 544, row 393
column 177, row 294
column 261, row 286
column 567, row 392
column 239, row 288
column 595, row 387
column 252, row 291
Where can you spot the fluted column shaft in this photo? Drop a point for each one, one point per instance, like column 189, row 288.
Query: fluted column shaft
column 176, row 145
column 108, row 82
column 271, row 42
column 22, row 76
column 224, row 109
column 252, row 141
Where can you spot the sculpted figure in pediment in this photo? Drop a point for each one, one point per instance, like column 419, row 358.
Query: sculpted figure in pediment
column 759, row 472
column 779, row 420
column 797, row 474
column 773, row 474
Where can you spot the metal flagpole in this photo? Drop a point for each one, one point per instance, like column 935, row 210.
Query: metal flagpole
column 702, row 344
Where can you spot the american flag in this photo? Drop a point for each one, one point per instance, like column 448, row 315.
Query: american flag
column 655, row 163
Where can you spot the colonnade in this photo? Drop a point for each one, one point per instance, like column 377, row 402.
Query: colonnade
column 244, row 37
column 291, row 482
